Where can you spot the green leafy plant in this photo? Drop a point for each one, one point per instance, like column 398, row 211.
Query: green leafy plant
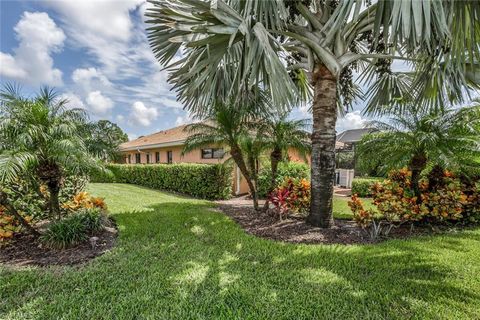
column 363, row 186
column 291, row 169
column 73, row 229
column 293, row 195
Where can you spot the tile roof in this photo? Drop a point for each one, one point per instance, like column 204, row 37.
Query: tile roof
column 353, row 135
column 177, row 136
column 169, row 137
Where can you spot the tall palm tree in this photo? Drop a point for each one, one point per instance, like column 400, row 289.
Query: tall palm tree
column 448, row 137
column 41, row 137
column 294, row 47
column 279, row 135
column 227, row 125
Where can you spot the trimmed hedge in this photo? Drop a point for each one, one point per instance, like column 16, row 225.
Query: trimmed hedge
column 363, row 186
column 206, row 181
column 285, row 169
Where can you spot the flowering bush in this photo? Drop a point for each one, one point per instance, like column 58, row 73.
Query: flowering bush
column 363, row 217
column 83, row 200
column 395, row 199
column 444, row 198
column 293, row 195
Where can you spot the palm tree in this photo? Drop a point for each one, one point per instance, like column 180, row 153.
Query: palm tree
column 39, row 136
column 279, row 135
column 448, row 137
column 293, row 47
column 227, row 125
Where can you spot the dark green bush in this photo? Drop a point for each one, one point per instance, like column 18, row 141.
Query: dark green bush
column 73, row 229
column 206, row 181
column 285, row 169
column 363, row 186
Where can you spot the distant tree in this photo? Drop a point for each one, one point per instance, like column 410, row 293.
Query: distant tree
column 40, row 137
column 448, row 137
column 104, row 138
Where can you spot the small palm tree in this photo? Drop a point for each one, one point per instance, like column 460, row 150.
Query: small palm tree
column 449, row 137
column 226, row 125
column 39, row 136
column 280, row 135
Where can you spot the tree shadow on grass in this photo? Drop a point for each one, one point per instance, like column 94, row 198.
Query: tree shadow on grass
column 184, row 261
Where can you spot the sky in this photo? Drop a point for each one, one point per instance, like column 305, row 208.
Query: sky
column 96, row 54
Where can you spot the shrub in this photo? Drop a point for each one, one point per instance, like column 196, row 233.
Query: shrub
column 83, row 200
column 444, row 198
column 73, row 229
column 363, row 186
column 207, row 181
column 293, row 195
column 285, row 169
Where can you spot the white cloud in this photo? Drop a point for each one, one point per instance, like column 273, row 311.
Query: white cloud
column 106, row 29
column 32, row 62
column 132, row 136
column 90, row 78
column 183, row 120
column 352, row 120
column 74, row 101
column 143, row 115
column 99, row 103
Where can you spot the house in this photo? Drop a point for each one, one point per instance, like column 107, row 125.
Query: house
column 166, row 146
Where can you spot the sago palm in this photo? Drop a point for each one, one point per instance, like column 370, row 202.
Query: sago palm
column 448, row 137
column 223, row 49
column 39, row 136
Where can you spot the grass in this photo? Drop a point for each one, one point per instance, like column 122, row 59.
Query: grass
column 341, row 210
column 178, row 259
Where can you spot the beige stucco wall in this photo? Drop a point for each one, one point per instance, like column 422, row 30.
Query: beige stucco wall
column 177, row 157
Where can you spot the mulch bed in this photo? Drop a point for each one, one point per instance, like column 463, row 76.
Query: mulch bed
column 296, row 230
column 26, row 250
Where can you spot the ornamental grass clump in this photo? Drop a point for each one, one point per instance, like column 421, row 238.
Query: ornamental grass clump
column 73, row 229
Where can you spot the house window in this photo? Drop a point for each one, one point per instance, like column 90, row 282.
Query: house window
column 157, row 157
column 129, row 158
column 169, row 157
column 212, row 153
column 137, row 158
column 148, row 157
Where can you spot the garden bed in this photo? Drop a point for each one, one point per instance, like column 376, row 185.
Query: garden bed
column 296, row 230
column 26, row 250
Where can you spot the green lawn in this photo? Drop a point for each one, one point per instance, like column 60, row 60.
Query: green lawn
column 178, row 259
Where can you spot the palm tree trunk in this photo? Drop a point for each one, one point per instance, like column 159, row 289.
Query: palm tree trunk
column 417, row 165
column 275, row 158
column 5, row 203
column 54, row 203
column 239, row 161
column 323, row 146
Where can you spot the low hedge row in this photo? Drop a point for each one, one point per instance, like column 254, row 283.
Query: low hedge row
column 206, row 181
column 363, row 186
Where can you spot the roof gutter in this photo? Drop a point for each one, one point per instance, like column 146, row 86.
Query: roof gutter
column 154, row 146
